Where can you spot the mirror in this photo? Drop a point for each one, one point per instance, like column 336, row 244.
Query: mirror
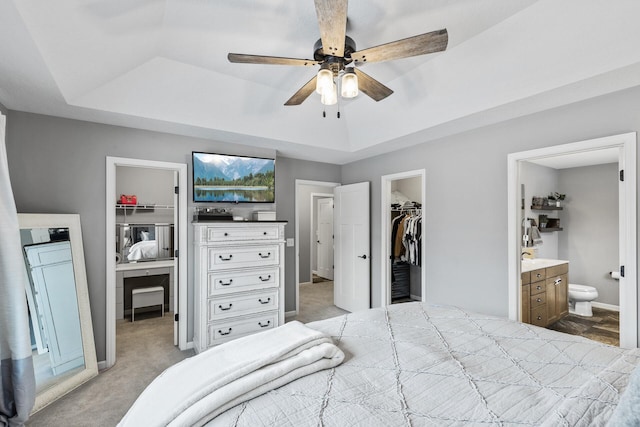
column 64, row 354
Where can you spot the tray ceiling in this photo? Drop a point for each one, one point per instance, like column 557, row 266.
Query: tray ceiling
column 161, row 65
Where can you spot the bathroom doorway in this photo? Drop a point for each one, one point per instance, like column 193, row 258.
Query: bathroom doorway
column 594, row 230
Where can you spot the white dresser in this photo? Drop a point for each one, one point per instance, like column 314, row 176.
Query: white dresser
column 238, row 280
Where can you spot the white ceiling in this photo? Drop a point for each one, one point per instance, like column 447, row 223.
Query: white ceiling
column 161, row 65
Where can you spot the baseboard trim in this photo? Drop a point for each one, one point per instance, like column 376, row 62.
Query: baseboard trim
column 290, row 313
column 605, row 306
column 189, row 346
column 306, row 283
column 415, row 297
column 102, row 365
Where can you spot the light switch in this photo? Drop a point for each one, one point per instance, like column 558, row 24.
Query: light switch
column 290, row 242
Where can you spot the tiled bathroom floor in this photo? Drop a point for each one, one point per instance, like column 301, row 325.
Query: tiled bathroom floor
column 604, row 326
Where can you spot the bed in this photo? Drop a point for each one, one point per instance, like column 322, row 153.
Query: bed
column 419, row 364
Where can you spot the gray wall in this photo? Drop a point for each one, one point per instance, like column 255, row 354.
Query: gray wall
column 465, row 213
column 58, row 166
column 539, row 181
column 590, row 221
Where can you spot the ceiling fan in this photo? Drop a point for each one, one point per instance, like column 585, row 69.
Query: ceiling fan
column 336, row 54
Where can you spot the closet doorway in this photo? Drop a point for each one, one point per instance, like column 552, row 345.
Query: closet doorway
column 144, row 244
column 403, row 269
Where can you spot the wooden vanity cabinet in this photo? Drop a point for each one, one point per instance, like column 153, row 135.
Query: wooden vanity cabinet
column 544, row 295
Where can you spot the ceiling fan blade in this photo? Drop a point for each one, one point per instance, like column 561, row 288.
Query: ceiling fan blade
column 332, row 20
column 269, row 60
column 434, row 41
column 303, row 93
column 371, row 87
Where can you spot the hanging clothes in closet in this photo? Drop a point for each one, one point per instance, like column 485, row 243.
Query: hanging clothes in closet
column 406, row 239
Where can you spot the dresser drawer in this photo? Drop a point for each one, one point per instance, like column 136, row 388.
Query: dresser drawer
column 229, row 234
column 538, row 300
column 225, row 282
column 225, row 330
column 525, row 277
column 243, row 256
column 537, row 288
column 242, row 304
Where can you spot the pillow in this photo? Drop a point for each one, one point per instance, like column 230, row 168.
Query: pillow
column 144, row 235
column 627, row 413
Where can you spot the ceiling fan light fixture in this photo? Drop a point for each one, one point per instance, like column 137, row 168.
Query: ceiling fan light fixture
column 330, row 96
column 349, row 83
column 324, row 79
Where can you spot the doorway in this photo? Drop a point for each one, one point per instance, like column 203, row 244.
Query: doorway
column 402, row 194
column 164, row 266
column 308, row 193
column 557, row 244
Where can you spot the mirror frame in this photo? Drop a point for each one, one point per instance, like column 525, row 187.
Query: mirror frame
column 72, row 222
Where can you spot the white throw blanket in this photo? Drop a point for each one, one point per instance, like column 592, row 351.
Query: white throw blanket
column 197, row 389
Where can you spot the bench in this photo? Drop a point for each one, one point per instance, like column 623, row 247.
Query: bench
column 146, row 297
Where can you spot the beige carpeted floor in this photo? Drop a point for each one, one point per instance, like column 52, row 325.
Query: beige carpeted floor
column 145, row 349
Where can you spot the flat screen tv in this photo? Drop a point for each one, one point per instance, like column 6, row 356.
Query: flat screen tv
column 233, row 179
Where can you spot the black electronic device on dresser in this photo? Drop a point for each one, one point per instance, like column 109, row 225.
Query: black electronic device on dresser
column 213, row 214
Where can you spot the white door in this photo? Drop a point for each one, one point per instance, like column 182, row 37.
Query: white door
column 352, row 287
column 325, row 238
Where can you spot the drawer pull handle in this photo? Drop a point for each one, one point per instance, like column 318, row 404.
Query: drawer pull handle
column 225, row 259
column 538, row 287
column 538, row 275
column 264, row 302
column 264, row 233
column 264, row 256
column 225, row 308
column 225, row 284
column 558, row 281
column 224, row 333
column 226, row 234
column 263, row 279
column 265, row 325
column 539, row 300
column 539, row 317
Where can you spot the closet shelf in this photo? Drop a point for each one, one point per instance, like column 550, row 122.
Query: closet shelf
column 143, row 206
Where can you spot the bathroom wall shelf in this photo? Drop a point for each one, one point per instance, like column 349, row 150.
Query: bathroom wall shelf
column 549, row 230
column 547, row 208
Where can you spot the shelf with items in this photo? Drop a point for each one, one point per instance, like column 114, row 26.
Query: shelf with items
column 550, row 229
column 143, row 206
column 546, row 208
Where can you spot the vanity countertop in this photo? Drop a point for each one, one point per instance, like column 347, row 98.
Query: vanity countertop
column 536, row 263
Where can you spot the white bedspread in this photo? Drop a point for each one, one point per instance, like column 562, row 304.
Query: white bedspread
column 142, row 250
column 197, row 389
column 424, row 365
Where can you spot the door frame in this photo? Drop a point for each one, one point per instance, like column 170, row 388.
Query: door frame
column 111, row 166
column 297, row 203
column 315, row 197
column 626, row 143
column 385, row 218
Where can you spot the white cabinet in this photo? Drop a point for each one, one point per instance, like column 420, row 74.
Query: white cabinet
column 239, row 280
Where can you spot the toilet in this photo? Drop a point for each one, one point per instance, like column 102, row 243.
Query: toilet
column 580, row 297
